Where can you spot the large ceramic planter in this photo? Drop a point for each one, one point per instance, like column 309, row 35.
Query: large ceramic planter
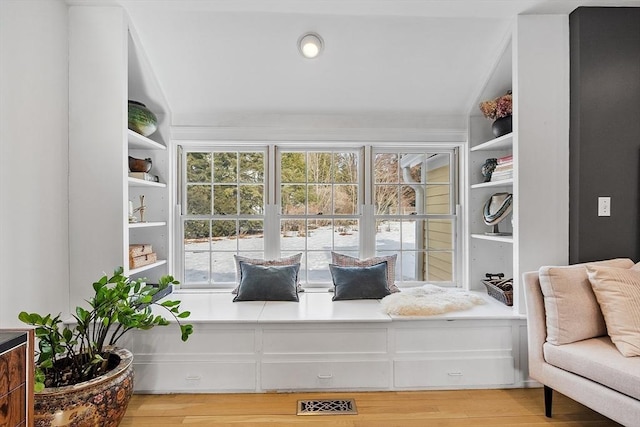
column 101, row 402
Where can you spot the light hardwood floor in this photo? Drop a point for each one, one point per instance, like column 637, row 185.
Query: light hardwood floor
column 483, row 408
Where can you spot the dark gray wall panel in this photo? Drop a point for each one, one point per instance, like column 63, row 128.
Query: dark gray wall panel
column 604, row 133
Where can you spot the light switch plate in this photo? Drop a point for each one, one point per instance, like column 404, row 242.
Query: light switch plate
column 604, row 206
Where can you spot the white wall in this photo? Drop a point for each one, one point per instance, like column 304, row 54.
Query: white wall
column 97, row 135
column 541, row 87
column 34, row 260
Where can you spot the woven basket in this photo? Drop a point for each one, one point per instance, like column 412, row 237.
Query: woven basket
column 139, row 250
column 140, row 261
column 499, row 288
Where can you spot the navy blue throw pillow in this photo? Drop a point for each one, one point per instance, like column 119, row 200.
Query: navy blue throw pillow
column 267, row 283
column 360, row 282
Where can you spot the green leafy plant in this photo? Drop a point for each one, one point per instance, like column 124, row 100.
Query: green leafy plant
column 70, row 353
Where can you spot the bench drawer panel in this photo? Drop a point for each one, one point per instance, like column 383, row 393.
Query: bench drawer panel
column 166, row 340
column 325, row 375
column 453, row 372
column 319, row 341
column 453, row 339
column 176, row 377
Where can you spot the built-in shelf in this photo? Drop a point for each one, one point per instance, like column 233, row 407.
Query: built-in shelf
column 147, row 224
column 503, row 239
column 505, row 142
column 501, row 183
column 135, row 182
column 139, row 142
column 147, row 267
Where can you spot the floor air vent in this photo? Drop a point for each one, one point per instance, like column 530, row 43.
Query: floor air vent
column 327, row 407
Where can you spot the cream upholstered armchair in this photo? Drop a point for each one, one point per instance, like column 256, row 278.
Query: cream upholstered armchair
column 569, row 349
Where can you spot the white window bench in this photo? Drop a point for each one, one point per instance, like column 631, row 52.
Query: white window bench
column 318, row 344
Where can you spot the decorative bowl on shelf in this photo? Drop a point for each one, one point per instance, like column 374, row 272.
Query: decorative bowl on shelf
column 139, row 165
column 141, row 119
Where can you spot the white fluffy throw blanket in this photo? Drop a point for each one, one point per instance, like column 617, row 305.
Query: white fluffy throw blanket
column 428, row 300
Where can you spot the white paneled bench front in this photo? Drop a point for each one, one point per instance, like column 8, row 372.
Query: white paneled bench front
column 320, row 344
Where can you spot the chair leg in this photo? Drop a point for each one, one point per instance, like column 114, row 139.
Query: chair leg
column 548, row 400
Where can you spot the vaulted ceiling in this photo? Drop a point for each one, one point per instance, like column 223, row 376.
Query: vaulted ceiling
column 220, row 60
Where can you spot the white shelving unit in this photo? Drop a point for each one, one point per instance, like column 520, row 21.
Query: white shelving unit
column 147, row 267
column 501, row 183
column 135, row 182
column 147, row 224
column 504, row 239
column 504, row 142
column 140, row 142
column 148, row 232
column 109, row 68
column 155, row 231
column 489, row 253
column 539, row 220
column 97, row 145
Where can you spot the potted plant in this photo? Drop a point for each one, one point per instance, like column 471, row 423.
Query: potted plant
column 81, row 377
column 499, row 110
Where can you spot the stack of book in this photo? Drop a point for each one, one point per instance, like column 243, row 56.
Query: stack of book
column 144, row 176
column 504, row 169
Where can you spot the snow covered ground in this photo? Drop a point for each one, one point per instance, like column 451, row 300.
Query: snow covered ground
column 323, row 240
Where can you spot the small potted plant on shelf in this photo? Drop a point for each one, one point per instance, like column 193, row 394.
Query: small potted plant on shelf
column 499, row 110
column 81, row 376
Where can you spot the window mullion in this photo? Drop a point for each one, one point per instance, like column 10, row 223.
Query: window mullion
column 367, row 209
column 272, row 231
column 368, row 228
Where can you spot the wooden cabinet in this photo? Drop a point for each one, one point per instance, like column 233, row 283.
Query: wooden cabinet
column 15, row 382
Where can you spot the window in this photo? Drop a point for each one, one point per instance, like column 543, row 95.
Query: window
column 223, row 213
column 415, row 213
column 320, row 199
column 276, row 201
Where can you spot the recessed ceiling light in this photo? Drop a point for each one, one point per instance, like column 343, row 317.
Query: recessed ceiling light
column 310, row 45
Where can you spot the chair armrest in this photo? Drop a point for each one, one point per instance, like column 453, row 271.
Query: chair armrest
column 536, row 323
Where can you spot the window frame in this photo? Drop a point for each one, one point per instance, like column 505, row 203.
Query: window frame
column 366, row 211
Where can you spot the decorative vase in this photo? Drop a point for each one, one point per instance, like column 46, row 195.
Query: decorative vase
column 488, row 167
column 139, row 165
column 141, row 119
column 501, row 126
column 100, row 402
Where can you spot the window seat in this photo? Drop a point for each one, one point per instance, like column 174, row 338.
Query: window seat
column 315, row 307
column 318, row 344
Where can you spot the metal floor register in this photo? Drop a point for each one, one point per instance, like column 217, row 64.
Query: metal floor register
column 327, row 407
